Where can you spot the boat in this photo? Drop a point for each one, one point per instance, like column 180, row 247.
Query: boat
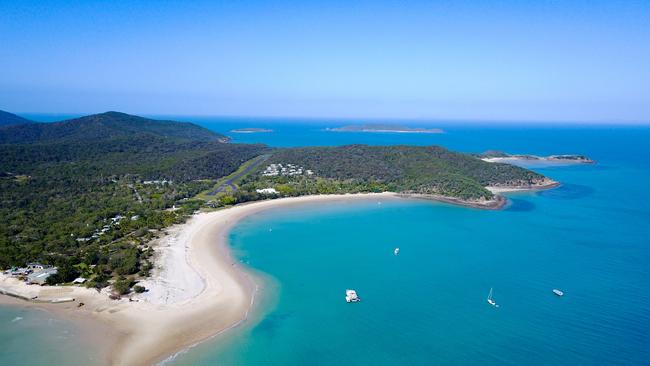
column 558, row 292
column 396, row 251
column 351, row 296
column 490, row 300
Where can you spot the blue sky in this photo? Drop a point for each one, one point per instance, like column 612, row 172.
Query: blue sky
column 485, row 60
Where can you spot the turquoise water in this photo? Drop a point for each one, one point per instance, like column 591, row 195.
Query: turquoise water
column 590, row 238
column 35, row 337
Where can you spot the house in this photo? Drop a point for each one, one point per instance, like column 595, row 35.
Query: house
column 267, row 191
column 19, row 272
column 40, row 277
column 37, row 266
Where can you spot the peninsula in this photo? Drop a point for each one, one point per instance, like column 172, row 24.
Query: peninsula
column 501, row 157
column 384, row 128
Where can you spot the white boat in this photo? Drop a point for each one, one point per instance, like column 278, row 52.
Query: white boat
column 351, row 296
column 490, row 300
column 558, row 292
column 396, row 251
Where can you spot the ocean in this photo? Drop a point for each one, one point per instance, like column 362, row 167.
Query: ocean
column 590, row 238
column 35, row 337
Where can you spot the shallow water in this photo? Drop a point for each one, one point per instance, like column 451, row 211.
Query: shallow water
column 590, row 238
column 35, row 337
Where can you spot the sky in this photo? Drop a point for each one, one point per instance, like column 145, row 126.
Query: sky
column 581, row 61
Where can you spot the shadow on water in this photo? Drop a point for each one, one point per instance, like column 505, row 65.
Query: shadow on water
column 271, row 323
column 519, row 205
column 567, row 192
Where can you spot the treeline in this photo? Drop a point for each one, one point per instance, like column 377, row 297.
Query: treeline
column 412, row 169
column 105, row 126
column 148, row 157
column 62, row 183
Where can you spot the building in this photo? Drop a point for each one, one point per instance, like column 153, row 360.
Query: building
column 40, row 277
column 37, row 266
column 267, row 191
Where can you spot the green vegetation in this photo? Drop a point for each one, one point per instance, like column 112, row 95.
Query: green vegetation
column 109, row 126
column 10, row 119
column 405, row 169
column 139, row 289
column 91, row 192
column 384, row 128
column 88, row 194
column 123, row 285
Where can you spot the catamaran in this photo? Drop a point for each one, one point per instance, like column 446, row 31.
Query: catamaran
column 351, row 296
column 490, row 300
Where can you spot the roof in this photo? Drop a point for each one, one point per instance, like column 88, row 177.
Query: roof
column 40, row 276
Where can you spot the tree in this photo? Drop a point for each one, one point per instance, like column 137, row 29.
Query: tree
column 122, row 285
column 125, row 261
column 228, row 200
column 139, row 289
column 66, row 272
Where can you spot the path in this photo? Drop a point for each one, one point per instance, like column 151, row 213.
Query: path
column 230, row 181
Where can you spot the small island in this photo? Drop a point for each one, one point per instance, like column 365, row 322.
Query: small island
column 383, row 128
column 501, row 157
column 251, row 130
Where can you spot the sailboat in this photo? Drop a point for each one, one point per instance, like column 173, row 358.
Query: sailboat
column 490, row 300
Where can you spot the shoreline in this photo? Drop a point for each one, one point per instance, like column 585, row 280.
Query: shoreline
column 497, row 203
column 149, row 332
column 196, row 292
column 546, row 184
column 551, row 160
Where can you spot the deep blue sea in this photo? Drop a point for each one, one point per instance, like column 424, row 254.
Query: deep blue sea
column 427, row 306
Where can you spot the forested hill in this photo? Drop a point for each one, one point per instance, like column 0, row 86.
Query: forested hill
column 116, row 144
column 405, row 169
column 61, row 183
column 103, row 127
column 10, row 119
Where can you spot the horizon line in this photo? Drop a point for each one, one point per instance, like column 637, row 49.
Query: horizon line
column 352, row 119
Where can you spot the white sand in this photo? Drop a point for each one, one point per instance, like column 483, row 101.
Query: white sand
column 197, row 290
column 173, row 279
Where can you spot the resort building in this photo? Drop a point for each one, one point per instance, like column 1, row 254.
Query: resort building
column 37, row 266
column 39, row 277
column 275, row 170
column 267, row 191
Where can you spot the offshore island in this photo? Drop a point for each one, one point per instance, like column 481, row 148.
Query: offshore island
column 251, row 130
column 383, row 128
column 120, row 222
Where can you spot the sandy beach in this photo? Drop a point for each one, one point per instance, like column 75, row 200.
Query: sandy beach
column 196, row 291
